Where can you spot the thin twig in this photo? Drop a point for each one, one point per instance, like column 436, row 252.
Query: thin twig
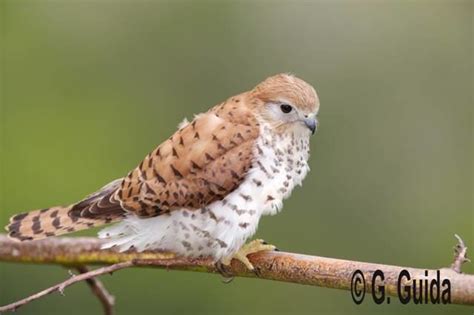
column 97, row 287
column 279, row 266
column 63, row 285
column 460, row 255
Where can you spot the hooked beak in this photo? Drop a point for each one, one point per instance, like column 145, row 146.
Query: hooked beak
column 311, row 123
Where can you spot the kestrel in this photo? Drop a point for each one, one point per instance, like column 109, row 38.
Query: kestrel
column 203, row 190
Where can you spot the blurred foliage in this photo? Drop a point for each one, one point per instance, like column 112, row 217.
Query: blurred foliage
column 90, row 87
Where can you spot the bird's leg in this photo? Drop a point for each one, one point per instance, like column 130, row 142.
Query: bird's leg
column 254, row 246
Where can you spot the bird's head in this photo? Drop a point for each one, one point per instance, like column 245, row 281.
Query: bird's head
column 286, row 103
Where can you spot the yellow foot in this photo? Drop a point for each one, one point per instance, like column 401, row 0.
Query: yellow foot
column 254, row 246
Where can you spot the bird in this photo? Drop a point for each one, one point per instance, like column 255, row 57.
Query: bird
column 201, row 192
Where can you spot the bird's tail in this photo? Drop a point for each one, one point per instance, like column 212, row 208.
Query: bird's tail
column 95, row 210
column 47, row 222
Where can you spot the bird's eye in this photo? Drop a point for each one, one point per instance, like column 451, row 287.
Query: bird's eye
column 286, row 108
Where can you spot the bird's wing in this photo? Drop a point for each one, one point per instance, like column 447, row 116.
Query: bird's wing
column 201, row 163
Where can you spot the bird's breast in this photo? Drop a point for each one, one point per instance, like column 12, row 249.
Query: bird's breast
column 281, row 163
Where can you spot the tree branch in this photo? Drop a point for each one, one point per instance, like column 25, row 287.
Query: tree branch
column 63, row 285
column 279, row 266
column 99, row 290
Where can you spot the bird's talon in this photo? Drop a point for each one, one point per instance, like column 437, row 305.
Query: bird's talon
column 227, row 280
column 252, row 247
column 220, row 267
column 257, row 272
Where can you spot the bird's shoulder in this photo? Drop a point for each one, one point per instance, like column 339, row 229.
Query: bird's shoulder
column 201, row 162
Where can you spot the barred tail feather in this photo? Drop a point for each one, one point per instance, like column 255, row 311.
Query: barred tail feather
column 39, row 224
column 95, row 210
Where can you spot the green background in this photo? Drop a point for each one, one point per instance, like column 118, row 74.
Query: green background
column 90, row 87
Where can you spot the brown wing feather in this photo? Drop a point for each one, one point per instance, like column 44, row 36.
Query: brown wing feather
column 201, row 163
column 102, row 204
